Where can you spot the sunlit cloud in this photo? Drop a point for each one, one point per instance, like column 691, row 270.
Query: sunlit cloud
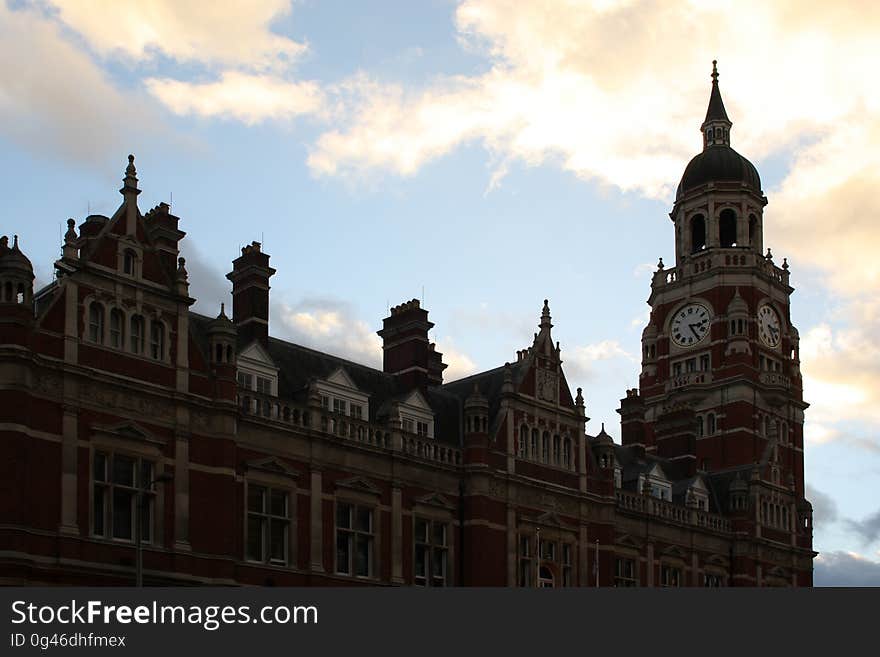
column 247, row 98
column 232, row 32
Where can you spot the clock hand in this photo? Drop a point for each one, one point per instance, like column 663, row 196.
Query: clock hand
column 694, row 330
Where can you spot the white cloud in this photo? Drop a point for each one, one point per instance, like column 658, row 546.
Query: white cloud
column 459, row 364
column 55, row 100
column 245, row 97
column 232, row 32
column 327, row 325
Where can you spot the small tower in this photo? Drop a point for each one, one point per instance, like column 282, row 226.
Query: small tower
column 16, row 293
column 222, row 336
column 476, row 427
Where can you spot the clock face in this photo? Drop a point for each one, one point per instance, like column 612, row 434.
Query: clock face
column 690, row 324
column 769, row 326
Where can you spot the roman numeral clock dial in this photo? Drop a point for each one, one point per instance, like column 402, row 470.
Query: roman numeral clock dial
column 768, row 326
column 690, row 324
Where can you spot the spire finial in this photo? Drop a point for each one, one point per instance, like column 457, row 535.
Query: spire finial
column 545, row 315
column 714, row 71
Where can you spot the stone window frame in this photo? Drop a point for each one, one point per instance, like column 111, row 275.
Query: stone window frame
column 435, row 513
column 112, row 442
column 360, row 496
column 272, row 475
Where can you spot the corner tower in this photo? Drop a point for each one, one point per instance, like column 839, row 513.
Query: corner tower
column 720, row 386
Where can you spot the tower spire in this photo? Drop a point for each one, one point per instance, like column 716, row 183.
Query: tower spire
column 716, row 126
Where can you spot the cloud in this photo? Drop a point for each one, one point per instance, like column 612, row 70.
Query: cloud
column 55, row 100
column 824, row 506
column 328, row 325
column 550, row 92
column 245, row 97
column 459, row 364
column 845, row 569
column 232, row 32
column 207, row 285
column 581, row 361
column 868, row 528
column 841, row 368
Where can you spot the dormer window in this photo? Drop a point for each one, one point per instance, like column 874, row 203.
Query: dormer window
column 96, row 323
column 157, row 340
column 129, row 261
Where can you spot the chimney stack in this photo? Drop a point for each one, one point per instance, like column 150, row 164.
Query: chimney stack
column 406, row 350
column 250, row 293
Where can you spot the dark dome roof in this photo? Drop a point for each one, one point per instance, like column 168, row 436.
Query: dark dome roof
column 719, row 163
column 13, row 258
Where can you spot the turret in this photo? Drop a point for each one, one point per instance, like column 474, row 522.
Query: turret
column 16, row 293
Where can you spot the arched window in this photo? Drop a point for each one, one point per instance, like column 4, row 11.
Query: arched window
column 136, row 333
column 157, row 340
column 117, row 322
column 711, row 424
column 8, row 291
column 698, row 233
column 523, row 441
column 218, row 353
column 534, row 445
column 128, row 262
column 728, row 227
column 96, row 323
column 566, row 453
column 753, row 228
column 19, row 295
column 228, row 353
column 545, row 447
column 699, row 425
column 557, row 450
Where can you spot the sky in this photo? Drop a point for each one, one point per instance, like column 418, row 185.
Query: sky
column 482, row 156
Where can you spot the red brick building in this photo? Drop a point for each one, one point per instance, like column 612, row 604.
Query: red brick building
column 258, row 461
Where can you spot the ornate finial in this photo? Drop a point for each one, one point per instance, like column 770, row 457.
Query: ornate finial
column 769, row 255
column 222, row 309
column 579, row 400
column 70, row 235
column 545, row 315
column 15, row 242
column 181, row 269
column 785, row 264
column 130, row 170
column 603, row 427
column 714, row 71
column 660, row 264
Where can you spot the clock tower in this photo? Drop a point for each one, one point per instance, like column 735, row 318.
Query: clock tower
column 720, row 387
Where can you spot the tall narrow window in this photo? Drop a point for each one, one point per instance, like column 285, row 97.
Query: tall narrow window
column 727, row 227
column 525, row 561
column 136, row 331
column 268, row 525
column 566, row 453
column 534, row 446
column 545, row 447
column 711, row 426
column 128, row 262
column 557, row 450
column 523, row 446
column 670, row 576
column 96, row 323
column 354, row 540
column 157, row 340
column 566, row 564
column 698, row 233
column 117, row 321
column 431, row 553
column 625, row 573
column 117, row 478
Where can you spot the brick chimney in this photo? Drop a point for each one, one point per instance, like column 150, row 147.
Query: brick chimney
column 406, row 350
column 250, row 293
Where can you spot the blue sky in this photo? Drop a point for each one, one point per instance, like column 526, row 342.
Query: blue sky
column 486, row 155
